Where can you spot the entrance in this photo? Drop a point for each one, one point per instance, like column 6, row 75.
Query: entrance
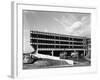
column 57, row 53
column 81, row 53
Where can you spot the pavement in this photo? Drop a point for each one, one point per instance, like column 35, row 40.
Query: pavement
column 71, row 62
column 46, row 61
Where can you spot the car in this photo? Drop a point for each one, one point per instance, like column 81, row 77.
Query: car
column 29, row 59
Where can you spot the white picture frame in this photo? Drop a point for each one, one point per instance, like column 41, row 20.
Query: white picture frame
column 17, row 38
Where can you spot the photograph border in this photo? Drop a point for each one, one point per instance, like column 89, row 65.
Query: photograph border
column 17, row 34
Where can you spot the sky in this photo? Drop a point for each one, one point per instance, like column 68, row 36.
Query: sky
column 68, row 23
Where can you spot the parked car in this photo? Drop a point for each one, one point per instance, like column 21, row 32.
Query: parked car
column 29, row 59
column 63, row 55
column 74, row 54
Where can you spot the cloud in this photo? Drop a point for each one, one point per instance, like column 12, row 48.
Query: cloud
column 75, row 27
column 68, row 25
column 45, row 30
column 64, row 21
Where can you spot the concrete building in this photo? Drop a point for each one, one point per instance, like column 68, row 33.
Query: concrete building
column 53, row 44
column 88, row 53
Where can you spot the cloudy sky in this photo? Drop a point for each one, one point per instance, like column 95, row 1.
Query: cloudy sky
column 77, row 24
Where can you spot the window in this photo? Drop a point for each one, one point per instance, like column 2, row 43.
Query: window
column 63, row 38
column 64, row 42
column 45, row 41
column 33, row 41
column 77, row 39
column 77, row 43
column 33, row 35
column 45, row 46
column 80, row 47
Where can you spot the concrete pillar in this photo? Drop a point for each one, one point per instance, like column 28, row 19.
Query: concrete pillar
column 77, row 54
column 37, row 49
column 52, row 52
column 84, row 52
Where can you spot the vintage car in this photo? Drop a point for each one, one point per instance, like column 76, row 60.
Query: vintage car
column 29, row 59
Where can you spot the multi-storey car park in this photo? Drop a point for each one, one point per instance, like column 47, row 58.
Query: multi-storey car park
column 53, row 44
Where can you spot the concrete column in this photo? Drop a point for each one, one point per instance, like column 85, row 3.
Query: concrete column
column 77, row 54
column 37, row 49
column 52, row 52
column 84, row 52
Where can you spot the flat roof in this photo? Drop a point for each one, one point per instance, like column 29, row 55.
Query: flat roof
column 62, row 35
